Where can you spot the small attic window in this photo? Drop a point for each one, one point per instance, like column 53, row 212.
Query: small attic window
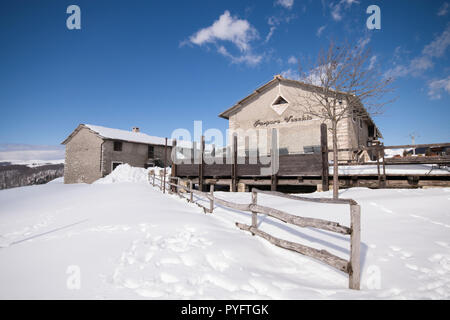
column 280, row 100
column 117, row 146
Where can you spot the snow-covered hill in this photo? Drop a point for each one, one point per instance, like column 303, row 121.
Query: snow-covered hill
column 128, row 240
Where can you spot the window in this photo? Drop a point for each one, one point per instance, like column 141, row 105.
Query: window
column 354, row 116
column 371, row 131
column 151, row 152
column 360, row 123
column 311, row 149
column 279, row 100
column 114, row 165
column 117, row 145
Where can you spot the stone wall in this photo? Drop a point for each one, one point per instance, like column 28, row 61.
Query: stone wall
column 83, row 154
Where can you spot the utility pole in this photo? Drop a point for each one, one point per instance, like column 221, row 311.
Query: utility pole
column 413, row 137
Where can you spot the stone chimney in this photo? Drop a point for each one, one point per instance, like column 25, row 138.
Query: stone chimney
column 135, row 129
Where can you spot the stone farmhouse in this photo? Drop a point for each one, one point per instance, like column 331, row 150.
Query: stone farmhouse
column 280, row 104
column 93, row 152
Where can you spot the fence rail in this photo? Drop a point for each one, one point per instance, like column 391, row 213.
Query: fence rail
column 351, row 267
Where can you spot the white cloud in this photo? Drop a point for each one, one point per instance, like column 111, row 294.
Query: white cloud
column 248, row 58
column 285, row 3
column 290, row 74
column 320, row 30
column 443, row 10
column 292, row 60
column 30, row 152
column 372, row 62
column 439, row 45
column 420, row 64
column 338, row 7
column 435, row 88
column 363, row 42
column 270, row 34
column 424, row 61
column 230, row 29
column 227, row 28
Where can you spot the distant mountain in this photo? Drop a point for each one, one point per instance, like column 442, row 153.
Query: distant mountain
column 24, row 164
column 16, row 175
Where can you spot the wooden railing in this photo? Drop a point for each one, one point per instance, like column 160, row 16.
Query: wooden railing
column 351, row 267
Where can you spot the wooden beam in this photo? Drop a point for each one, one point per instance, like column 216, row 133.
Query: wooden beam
column 319, row 200
column 355, row 243
column 254, row 213
column 201, row 164
column 165, row 166
column 174, row 160
column 234, row 165
column 211, row 199
column 301, row 221
column 274, row 154
column 321, row 255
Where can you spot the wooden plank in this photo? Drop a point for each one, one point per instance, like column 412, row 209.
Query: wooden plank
column 234, row 165
column 419, row 160
column 405, row 146
column 355, row 243
column 225, row 203
column 321, row 255
column 319, row 200
column 165, row 166
column 324, row 156
column 273, row 182
column 211, row 199
column 254, row 213
column 174, row 160
column 274, row 160
column 301, row 221
column 201, row 164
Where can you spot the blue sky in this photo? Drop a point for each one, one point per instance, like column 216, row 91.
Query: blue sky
column 161, row 65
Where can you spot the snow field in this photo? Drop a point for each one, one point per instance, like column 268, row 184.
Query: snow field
column 131, row 241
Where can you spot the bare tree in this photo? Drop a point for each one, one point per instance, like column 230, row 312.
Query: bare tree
column 343, row 82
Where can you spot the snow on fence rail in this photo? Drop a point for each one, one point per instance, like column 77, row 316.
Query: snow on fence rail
column 351, row 267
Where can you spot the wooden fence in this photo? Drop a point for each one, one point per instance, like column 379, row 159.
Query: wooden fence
column 236, row 166
column 381, row 161
column 351, row 267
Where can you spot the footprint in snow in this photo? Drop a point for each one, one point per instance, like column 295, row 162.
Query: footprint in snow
column 168, row 278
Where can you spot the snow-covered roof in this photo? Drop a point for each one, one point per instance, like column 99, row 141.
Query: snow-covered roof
column 131, row 136
column 118, row 134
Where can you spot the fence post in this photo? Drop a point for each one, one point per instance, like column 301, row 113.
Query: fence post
column 355, row 242
column 254, row 214
column 384, row 165
column 153, row 175
column 169, row 187
column 274, row 154
column 165, row 165
column 211, row 201
column 201, row 165
column 174, row 158
column 190, row 192
column 324, row 151
column 161, row 180
column 234, row 165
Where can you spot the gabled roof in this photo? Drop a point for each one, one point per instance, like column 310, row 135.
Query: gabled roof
column 123, row 135
column 277, row 79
